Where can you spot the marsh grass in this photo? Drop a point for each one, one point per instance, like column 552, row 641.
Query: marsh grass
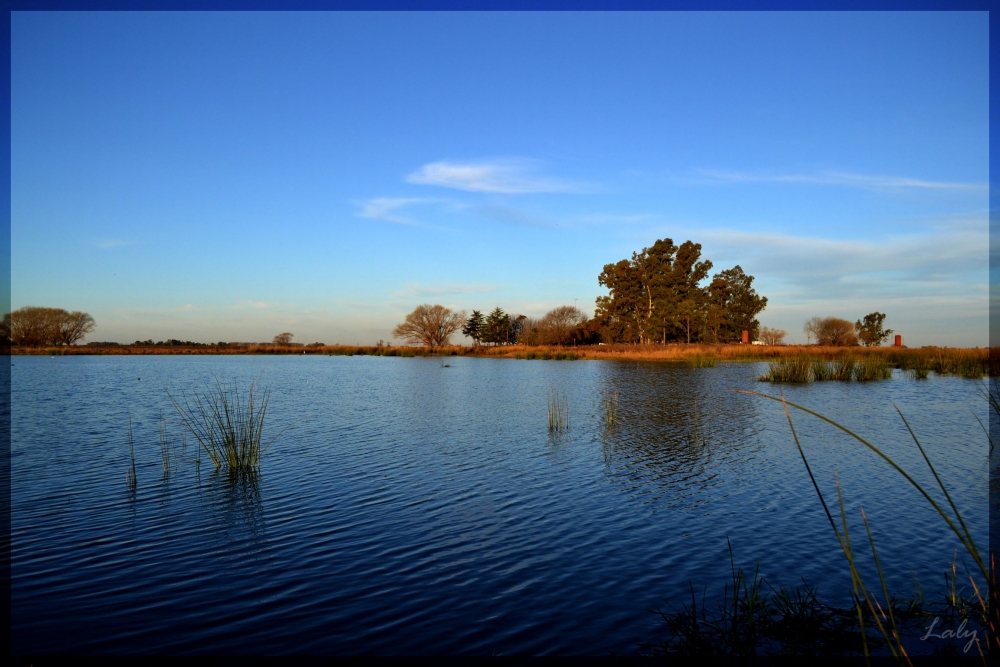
column 868, row 369
column 821, row 371
column 611, row 403
column 787, row 370
column 228, row 423
column 870, row 612
column 702, row 361
column 842, row 370
column 752, row 618
column 558, row 411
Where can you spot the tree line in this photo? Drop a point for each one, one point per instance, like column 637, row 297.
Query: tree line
column 658, row 295
column 32, row 326
column 655, row 296
column 869, row 331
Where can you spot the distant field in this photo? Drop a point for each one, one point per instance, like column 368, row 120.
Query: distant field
column 973, row 362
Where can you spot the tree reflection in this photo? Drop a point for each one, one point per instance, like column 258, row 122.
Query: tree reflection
column 678, row 430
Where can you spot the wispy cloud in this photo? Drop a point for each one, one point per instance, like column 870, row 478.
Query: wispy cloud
column 257, row 305
column 104, row 244
column 815, row 268
column 416, row 290
column 387, row 208
column 867, row 182
column 506, row 176
column 163, row 312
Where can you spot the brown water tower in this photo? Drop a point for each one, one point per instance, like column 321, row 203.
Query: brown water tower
column 899, row 341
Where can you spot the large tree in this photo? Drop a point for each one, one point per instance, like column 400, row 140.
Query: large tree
column 681, row 300
column 837, row 332
column 429, row 325
column 658, row 295
column 733, row 306
column 617, row 311
column 34, row 326
column 636, row 288
column 870, row 331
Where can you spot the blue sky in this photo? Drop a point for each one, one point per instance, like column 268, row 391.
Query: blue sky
column 229, row 176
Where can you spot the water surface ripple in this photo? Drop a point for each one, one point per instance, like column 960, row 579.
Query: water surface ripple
column 412, row 508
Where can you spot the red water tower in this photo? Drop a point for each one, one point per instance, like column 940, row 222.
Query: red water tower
column 899, row 341
column 746, row 337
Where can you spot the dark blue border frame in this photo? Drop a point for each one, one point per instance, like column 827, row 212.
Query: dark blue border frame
column 478, row 5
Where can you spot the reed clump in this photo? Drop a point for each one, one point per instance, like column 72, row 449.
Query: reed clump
column 821, row 371
column 228, row 423
column 842, row 370
column 611, row 404
column 787, row 370
column 868, row 369
column 703, row 361
column 558, row 405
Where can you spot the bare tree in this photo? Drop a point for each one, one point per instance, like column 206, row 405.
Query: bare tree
column 811, row 329
column 283, row 339
column 430, row 325
column 835, row 331
column 34, row 326
column 770, row 336
column 558, row 325
column 74, row 326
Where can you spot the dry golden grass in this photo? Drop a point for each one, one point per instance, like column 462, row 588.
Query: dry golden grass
column 968, row 362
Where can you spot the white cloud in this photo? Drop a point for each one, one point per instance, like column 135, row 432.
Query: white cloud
column 509, row 176
column 386, row 208
column 867, row 182
column 926, row 256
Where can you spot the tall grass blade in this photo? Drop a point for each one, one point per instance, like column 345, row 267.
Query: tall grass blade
column 968, row 545
column 558, row 406
column 130, row 481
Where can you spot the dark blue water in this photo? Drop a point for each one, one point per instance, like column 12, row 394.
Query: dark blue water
column 411, row 508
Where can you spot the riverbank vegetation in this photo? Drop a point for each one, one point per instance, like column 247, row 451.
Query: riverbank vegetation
column 965, row 362
column 751, row 621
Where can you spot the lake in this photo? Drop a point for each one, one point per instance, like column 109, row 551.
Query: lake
column 415, row 508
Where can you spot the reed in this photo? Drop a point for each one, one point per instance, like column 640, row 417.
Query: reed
column 754, row 617
column 872, row 368
column 702, row 361
column 842, row 370
column 166, row 448
column 228, row 423
column 558, row 411
column 821, row 371
column 611, row 402
column 866, row 602
column 130, row 481
column 787, row 370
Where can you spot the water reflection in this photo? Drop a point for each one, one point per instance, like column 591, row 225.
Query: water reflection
column 234, row 498
column 677, row 431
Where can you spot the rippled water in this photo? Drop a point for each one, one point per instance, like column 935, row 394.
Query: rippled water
column 412, row 508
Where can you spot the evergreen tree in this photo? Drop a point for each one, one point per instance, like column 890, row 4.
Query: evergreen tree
column 474, row 326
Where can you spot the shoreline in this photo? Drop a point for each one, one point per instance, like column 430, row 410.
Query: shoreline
column 691, row 353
